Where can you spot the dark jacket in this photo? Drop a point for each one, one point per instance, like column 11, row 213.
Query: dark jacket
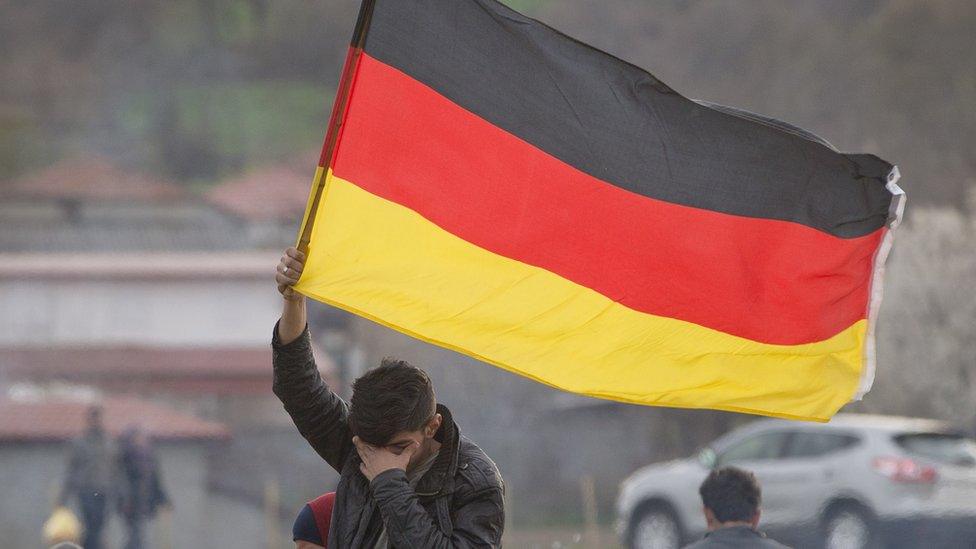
column 140, row 493
column 458, row 503
column 91, row 466
column 733, row 537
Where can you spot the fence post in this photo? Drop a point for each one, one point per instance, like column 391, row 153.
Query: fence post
column 588, row 497
column 272, row 512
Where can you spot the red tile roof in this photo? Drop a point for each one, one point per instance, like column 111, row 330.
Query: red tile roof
column 155, row 361
column 274, row 193
column 92, row 178
column 61, row 419
column 193, row 370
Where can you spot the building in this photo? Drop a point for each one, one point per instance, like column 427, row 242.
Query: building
column 186, row 330
column 35, row 432
column 88, row 204
column 268, row 202
column 133, row 287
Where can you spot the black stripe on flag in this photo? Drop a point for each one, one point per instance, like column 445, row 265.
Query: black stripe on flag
column 618, row 123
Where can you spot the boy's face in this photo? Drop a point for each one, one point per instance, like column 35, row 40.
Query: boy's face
column 422, row 438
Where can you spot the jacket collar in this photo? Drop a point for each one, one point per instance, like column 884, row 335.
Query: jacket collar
column 735, row 532
column 440, row 477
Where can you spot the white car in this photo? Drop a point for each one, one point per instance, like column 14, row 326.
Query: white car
column 857, row 482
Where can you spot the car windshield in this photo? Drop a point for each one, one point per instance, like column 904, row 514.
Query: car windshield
column 942, row 447
column 759, row 447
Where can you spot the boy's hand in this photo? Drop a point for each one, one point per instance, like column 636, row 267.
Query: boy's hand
column 289, row 270
column 379, row 459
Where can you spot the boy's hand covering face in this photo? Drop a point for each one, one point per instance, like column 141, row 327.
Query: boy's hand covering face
column 377, row 459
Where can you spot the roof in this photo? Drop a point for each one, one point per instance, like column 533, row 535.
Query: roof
column 62, row 419
column 135, row 360
column 126, row 368
column 276, row 193
column 33, row 225
column 132, row 266
column 92, row 178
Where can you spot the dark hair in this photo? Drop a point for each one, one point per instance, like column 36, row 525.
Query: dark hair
column 94, row 418
column 394, row 397
column 732, row 494
column 95, row 412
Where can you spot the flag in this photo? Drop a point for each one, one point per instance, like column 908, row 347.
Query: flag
column 495, row 187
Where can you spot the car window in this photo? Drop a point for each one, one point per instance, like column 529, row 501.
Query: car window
column 942, row 447
column 758, row 447
column 806, row 445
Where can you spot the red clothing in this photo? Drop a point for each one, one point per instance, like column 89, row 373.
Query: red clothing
column 322, row 511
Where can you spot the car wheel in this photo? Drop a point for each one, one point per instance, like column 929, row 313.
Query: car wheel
column 848, row 527
column 655, row 528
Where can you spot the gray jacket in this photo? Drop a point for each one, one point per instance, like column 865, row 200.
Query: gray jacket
column 734, row 537
column 458, row 503
column 91, row 466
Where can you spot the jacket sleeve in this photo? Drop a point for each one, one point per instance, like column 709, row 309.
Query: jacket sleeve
column 320, row 415
column 479, row 514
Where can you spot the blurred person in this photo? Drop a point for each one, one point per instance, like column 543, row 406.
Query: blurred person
column 311, row 528
column 407, row 476
column 731, row 501
column 90, row 476
column 66, row 545
column 141, row 494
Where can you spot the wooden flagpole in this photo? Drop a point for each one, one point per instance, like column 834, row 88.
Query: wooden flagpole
column 339, row 108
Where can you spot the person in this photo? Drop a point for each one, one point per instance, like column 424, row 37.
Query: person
column 90, row 476
column 408, row 478
column 311, row 528
column 141, row 493
column 731, row 501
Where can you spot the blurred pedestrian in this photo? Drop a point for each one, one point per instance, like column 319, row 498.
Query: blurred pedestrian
column 90, row 476
column 141, row 494
column 408, row 477
column 731, row 500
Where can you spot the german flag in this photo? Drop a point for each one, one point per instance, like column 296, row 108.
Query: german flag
column 495, row 187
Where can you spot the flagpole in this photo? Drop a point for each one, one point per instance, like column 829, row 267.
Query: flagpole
column 339, row 107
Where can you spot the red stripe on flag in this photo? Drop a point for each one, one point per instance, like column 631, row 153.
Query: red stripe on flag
column 766, row 280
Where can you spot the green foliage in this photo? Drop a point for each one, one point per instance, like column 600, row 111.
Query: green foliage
column 243, row 123
column 200, row 88
column 19, row 139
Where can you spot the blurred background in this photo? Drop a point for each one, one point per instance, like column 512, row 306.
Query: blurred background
column 155, row 158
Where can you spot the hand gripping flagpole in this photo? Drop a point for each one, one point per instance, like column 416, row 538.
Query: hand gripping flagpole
column 339, row 108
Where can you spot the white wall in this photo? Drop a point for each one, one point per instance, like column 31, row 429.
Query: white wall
column 158, row 312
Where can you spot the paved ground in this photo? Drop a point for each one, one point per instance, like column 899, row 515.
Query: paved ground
column 560, row 538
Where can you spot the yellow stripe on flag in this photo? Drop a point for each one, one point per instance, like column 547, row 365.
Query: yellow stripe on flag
column 385, row 262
